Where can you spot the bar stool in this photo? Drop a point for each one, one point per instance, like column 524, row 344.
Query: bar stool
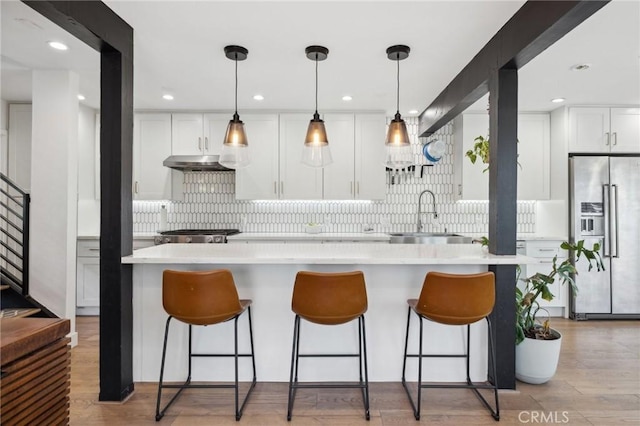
column 203, row 298
column 454, row 299
column 329, row 299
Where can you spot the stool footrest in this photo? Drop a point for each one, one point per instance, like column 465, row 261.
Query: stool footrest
column 436, row 356
column 327, row 355
column 220, row 355
column 328, row 385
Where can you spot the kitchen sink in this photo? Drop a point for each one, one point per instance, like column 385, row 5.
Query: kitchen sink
column 428, row 238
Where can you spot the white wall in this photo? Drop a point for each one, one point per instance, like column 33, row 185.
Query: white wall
column 86, row 153
column 54, row 174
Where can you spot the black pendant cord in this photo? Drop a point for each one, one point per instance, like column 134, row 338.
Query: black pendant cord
column 316, row 113
column 398, row 81
column 236, row 116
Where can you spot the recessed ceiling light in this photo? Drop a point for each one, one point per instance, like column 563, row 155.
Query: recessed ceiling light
column 347, row 98
column 413, row 111
column 258, row 97
column 580, row 67
column 57, row 45
column 81, row 97
column 167, row 97
column 557, row 100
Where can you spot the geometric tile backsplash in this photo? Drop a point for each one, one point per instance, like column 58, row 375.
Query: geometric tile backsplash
column 209, row 202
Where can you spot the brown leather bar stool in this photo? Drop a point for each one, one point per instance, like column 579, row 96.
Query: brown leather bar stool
column 454, row 299
column 329, row 299
column 203, row 298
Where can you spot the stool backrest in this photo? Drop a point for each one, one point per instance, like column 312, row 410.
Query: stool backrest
column 457, row 298
column 329, row 298
column 200, row 297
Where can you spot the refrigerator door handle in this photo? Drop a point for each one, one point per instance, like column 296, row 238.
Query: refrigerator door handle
column 614, row 220
column 606, row 241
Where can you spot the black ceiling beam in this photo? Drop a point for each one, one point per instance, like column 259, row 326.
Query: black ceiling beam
column 90, row 21
column 533, row 28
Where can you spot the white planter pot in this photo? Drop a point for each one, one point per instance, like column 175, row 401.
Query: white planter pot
column 537, row 360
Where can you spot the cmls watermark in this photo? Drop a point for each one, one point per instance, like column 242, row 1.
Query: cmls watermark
column 544, row 417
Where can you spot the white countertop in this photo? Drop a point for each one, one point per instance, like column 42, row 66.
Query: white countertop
column 337, row 254
column 325, row 236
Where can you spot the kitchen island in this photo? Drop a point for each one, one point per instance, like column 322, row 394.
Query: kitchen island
column 265, row 273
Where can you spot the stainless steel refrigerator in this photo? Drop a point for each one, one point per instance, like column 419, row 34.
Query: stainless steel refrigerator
column 604, row 193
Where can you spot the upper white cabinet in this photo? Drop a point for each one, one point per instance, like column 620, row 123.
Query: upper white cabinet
column 260, row 179
column 297, row 180
column 471, row 183
column 198, row 134
column 604, row 130
column 151, row 145
column 277, row 172
column 357, row 148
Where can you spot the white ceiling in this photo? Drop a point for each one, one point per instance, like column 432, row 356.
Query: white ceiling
column 179, row 49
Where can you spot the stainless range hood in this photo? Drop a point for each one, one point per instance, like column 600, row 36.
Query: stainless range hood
column 195, row 163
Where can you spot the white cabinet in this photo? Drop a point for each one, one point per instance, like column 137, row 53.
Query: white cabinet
column 88, row 277
column 260, row 180
column 604, row 130
column 88, row 274
column 151, row 146
column 357, row 149
column 545, row 250
column 19, row 145
column 472, row 183
column 297, row 180
column 198, row 134
column 277, row 172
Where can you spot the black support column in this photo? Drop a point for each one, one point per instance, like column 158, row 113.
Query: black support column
column 503, row 180
column 116, row 226
column 98, row 26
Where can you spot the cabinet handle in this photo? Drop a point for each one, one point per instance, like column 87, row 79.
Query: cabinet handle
column 460, row 190
column 608, row 138
column 200, row 144
column 135, row 187
column 615, row 138
column 543, row 249
column 94, row 249
column 281, row 187
column 206, row 143
column 275, row 187
column 357, row 187
column 351, row 188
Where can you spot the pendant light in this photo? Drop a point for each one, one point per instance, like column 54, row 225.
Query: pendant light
column 235, row 148
column 316, row 151
column 398, row 144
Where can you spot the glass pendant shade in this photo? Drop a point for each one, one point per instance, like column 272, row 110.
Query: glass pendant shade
column 398, row 144
column 235, row 148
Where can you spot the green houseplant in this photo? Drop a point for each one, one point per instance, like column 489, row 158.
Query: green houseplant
column 480, row 151
column 537, row 344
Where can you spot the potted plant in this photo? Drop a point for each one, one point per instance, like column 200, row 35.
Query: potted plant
column 537, row 344
column 480, row 150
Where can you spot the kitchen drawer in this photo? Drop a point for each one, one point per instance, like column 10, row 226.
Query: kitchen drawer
column 545, row 249
column 89, row 248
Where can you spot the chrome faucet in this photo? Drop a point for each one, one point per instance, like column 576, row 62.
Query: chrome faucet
column 435, row 213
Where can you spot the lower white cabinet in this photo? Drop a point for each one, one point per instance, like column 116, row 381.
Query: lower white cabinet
column 88, row 274
column 545, row 250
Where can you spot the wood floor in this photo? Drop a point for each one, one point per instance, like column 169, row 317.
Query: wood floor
column 597, row 383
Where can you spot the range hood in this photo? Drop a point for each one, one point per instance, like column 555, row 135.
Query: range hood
column 195, row 163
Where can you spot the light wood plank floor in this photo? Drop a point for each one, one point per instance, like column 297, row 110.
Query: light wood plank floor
column 598, row 383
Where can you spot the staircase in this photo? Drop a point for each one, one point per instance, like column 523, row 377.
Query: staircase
column 14, row 254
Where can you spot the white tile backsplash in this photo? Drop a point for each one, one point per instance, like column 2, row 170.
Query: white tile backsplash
column 209, row 202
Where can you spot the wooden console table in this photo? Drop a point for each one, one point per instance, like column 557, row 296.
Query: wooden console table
column 35, row 358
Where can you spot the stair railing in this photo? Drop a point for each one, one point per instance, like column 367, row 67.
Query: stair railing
column 14, row 235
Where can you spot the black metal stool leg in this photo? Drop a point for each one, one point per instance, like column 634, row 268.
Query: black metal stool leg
column 160, row 413
column 294, row 365
column 365, row 389
column 468, row 352
column 492, row 354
